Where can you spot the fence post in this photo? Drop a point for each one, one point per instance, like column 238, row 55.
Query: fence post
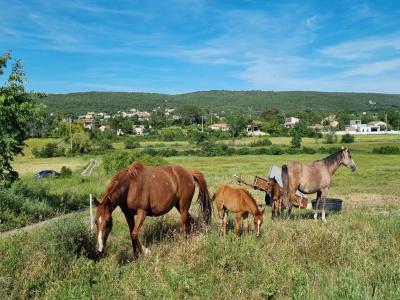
column 91, row 212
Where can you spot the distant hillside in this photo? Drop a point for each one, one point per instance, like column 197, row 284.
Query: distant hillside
column 218, row 101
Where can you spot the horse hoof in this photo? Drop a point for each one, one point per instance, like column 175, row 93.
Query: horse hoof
column 146, row 251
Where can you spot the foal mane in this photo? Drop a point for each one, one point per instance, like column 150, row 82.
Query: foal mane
column 253, row 201
column 333, row 158
column 132, row 170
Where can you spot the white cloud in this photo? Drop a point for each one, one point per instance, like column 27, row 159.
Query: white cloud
column 375, row 68
column 310, row 22
column 363, row 48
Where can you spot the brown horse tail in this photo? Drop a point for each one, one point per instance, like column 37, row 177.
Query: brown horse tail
column 204, row 197
column 285, row 181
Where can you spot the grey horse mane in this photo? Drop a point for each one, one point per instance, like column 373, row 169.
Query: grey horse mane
column 333, row 158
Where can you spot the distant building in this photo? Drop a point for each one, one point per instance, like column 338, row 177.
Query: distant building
column 316, row 126
column 291, row 122
column 120, row 132
column 381, row 124
column 219, row 126
column 102, row 128
column 254, row 130
column 138, row 129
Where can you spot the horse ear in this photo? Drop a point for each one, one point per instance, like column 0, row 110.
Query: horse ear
column 96, row 202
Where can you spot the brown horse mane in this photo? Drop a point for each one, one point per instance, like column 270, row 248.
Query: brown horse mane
column 333, row 158
column 133, row 170
column 252, row 200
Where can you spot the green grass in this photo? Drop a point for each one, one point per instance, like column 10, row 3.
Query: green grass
column 354, row 256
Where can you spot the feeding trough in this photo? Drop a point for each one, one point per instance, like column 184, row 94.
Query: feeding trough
column 331, row 204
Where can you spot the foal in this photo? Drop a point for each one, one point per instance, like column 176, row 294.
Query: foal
column 275, row 198
column 239, row 201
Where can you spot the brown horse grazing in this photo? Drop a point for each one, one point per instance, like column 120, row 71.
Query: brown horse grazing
column 239, row 201
column 314, row 178
column 275, row 198
column 148, row 191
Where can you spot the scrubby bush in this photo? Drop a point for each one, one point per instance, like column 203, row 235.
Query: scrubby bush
column 105, row 144
column 275, row 150
column 172, row 134
column 386, row 150
column 243, row 151
column 308, row 150
column 292, row 150
column 65, row 171
column 211, row 148
column 117, row 161
column 330, row 138
column 296, row 140
column 131, row 143
column 261, row 143
column 347, row 138
column 49, row 150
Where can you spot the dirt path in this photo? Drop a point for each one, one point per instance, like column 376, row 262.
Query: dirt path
column 42, row 224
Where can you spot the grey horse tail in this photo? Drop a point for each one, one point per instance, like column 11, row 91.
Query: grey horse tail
column 285, row 181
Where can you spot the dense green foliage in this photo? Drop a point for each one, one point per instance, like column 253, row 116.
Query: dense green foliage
column 386, row 150
column 117, row 161
column 217, row 101
column 18, row 109
column 347, row 138
column 49, row 150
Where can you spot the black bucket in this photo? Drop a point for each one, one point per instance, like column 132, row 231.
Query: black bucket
column 333, row 205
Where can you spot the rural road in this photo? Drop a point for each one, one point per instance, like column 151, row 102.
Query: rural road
column 48, row 222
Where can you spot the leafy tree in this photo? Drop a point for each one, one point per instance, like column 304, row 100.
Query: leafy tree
column 237, row 123
column 81, row 142
column 347, row 138
column 190, row 114
column 296, row 140
column 18, row 109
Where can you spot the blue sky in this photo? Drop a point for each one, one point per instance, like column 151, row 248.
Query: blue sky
column 176, row 46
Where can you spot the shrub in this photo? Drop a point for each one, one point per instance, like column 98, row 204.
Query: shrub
column 274, row 150
column 172, row 134
column 261, row 142
column 243, row 151
column 49, row 150
column 386, row 150
column 65, row 171
column 292, row 150
column 167, row 152
column 296, row 141
column 209, row 148
column 308, row 150
column 131, row 144
column 347, row 138
column 105, row 144
column 117, row 161
column 330, row 138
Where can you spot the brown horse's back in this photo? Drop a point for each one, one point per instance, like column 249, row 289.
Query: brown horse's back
column 233, row 199
column 158, row 190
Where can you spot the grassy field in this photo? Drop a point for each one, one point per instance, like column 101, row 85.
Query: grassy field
column 354, row 256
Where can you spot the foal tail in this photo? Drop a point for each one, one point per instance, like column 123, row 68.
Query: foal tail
column 204, row 196
column 285, row 181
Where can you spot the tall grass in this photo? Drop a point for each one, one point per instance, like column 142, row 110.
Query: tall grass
column 354, row 256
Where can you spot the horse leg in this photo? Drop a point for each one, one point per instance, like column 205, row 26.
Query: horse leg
column 141, row 215
column 221, row 214
column 323, row 197
column 187, row 221
column 317, row 205
column 131, row 223
column 238, row 216
column 246, row 222
column 225, row 221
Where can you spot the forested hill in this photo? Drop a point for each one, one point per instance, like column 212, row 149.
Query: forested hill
column 218, row 101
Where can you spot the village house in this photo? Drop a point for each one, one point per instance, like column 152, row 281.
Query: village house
column 138, row 129
column 291, row 122
column 254, row 130
column 219, row 126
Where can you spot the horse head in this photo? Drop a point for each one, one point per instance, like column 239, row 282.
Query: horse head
column 347, row 160
column 103, row 222
column 258, row 220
